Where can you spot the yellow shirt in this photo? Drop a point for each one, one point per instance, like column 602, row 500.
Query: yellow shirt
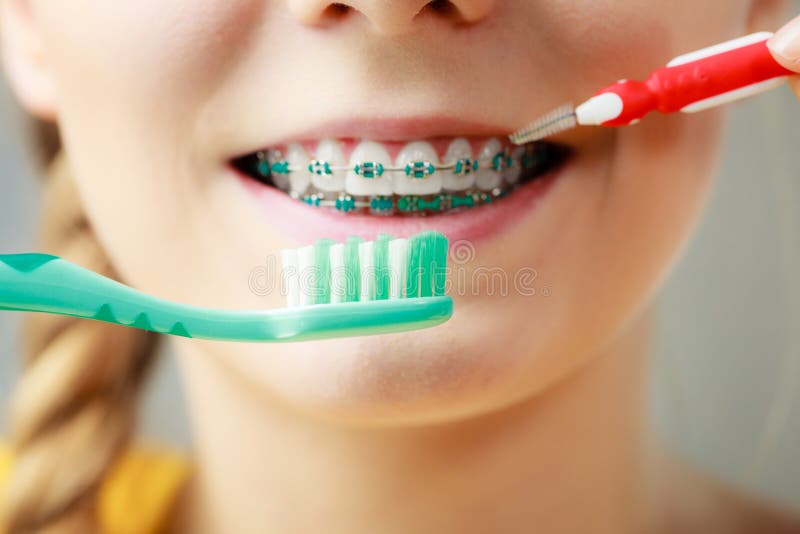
column 139, row 492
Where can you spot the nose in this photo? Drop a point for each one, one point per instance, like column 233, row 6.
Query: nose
column 391, row 17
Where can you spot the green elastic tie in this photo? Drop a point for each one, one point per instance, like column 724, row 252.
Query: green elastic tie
column 319, row 168
column 369, row 169
column 311, row 200
column 466, row 166
column 345, row 204
column 381, row 204
column 501, row 161
column 280, row 167
column 419, row 169
column 462, row 201
column 433, row 205
column 408, row 203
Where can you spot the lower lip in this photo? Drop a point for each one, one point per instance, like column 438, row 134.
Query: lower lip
column 306, row 224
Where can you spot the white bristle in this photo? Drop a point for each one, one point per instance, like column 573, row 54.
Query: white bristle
column 290, row 276
column 398, row 258
column 367, row 276
column 557, row 121
column 306, row 260
column 338, row 274
column 363, row 271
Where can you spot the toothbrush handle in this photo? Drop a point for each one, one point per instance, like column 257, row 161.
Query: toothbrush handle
column 49, row 284
column 692, row 82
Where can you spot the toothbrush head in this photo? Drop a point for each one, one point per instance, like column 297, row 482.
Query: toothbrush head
column 559, row 120
column 362, row 271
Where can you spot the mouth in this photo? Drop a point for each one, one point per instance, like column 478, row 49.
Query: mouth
column 435, row 176
column 398, row 176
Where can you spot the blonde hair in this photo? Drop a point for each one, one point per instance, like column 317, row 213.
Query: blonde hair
column 73, row 410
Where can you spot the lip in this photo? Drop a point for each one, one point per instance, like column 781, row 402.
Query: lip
column 391, row 130
column 402, row 128
column 306, row 224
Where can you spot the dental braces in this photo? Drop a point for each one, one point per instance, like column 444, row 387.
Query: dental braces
column 403, row 204
column 271, row 167
column 270, row 163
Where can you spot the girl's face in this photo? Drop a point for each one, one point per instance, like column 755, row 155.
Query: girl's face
column 155, row 99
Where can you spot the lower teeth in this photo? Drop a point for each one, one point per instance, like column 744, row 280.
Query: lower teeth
column 537, row 160
column 402, row 204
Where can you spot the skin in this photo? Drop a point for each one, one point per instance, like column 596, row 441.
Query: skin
column 521, row 410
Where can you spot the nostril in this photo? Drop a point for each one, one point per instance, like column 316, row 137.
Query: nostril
column 443, row 7
column 335, row 11
column 338, row 7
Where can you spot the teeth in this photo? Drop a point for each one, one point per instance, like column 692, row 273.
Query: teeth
column 370, row 176
column 369, row 152
column 297, row 156
column 459, row 149
column 512, row 175
column 409, row 185
column 487, row 179
column 330, row 151
column 280, row 180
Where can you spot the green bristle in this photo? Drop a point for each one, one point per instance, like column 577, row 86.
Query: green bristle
column 321, row 293
column 426, row 253
column 413, row 266
column 427, row 265
column 440, row 246
column 381, row 255
column 425, row 276
column 352, row 269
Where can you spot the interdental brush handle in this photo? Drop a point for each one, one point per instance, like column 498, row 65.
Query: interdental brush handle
column 693, row 82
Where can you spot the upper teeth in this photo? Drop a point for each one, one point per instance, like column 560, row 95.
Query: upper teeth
column 416, row 170
column 416, row 160
column 462, row 177
column 297, row 156
column 488, row 179
column 513, row 173
column 370, row 158
column 328, row 152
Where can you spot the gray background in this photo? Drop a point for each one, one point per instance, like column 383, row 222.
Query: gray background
column 726, row 372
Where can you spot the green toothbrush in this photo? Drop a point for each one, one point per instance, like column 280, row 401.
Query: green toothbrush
column 354, row 288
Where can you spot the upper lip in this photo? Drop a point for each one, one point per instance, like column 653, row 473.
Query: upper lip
column 394, row 129
column 401, row 129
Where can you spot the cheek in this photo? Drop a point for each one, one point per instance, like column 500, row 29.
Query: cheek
column 150, row 47
column 136, row 75
column 661, row 181
column 598, row 41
